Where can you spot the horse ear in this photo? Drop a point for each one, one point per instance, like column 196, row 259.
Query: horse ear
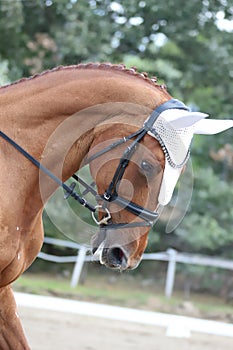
column 182, row 119
column 212, row 126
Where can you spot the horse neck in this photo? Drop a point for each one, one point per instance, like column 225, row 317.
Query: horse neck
column 54, row 95
column 38, row 113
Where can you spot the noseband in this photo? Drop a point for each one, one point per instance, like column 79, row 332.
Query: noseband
column 111, row 195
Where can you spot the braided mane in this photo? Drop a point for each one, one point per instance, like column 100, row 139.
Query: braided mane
column 102, row 66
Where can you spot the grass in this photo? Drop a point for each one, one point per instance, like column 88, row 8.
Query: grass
column 126, row 291
column 97, row 291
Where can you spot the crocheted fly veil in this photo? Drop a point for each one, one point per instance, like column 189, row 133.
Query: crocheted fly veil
column 174, row 130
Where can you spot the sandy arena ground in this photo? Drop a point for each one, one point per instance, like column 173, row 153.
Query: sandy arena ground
column 53, row 330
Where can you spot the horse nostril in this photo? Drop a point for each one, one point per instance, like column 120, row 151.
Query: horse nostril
column 117, row 258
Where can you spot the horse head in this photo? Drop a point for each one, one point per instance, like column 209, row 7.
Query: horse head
column 146, row 182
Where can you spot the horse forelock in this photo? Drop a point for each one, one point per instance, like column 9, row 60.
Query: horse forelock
column 95, row 66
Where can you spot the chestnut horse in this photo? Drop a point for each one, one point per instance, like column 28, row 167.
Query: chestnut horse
column 59, row 117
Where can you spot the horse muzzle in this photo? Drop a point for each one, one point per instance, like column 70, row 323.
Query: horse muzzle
column 116, row 251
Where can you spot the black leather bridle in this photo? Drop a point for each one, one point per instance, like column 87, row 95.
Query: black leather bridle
column 111, row 195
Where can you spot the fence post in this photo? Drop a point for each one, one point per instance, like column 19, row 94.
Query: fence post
column 171, row 270
column 78, row 266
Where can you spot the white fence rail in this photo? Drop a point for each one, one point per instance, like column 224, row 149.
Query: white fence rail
column 171, row 256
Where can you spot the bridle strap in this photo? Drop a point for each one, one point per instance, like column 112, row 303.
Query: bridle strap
column 111, row 226
column 111, row 194
column 132, row 207
column 148, row 125
column 170, row 104
column 112, row 146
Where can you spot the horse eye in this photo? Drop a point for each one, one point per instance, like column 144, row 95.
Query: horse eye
column 146, row 166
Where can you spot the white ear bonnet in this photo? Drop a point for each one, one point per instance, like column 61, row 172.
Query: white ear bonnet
column 174, row 129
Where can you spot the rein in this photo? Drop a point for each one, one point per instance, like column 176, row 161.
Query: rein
column 111, row 194
column 69, row 189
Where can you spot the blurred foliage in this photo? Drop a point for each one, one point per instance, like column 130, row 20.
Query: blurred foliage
column 4, row 72
column 188, row 44
column 208, row 226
